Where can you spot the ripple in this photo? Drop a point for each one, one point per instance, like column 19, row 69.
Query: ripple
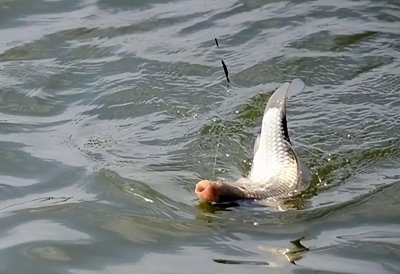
column 112, row 110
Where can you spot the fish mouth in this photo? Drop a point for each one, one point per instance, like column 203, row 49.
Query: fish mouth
column 218, row 192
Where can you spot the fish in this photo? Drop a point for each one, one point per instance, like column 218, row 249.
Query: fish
column 276, row 171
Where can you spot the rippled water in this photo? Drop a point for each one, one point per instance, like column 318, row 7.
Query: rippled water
column 112, row 110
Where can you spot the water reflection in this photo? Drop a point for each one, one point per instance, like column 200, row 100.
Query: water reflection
column 297, row 202
column 295, row 252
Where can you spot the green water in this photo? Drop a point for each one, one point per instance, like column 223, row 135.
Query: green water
column 112, row 110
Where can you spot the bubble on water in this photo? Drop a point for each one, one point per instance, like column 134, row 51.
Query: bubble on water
column 237, row 111
column 255, row 223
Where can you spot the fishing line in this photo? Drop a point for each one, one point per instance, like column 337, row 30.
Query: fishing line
column 226, row 72
column 218, row 143
column 216, row 156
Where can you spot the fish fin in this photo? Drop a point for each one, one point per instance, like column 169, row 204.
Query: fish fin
column 296, row 86
column 304, row 178
column 278, row 98
column 303, row 175
column 256, row 144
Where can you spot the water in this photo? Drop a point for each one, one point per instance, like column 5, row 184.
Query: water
column 112, row 110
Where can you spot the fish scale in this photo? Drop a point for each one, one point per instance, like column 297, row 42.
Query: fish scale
column 276, row 169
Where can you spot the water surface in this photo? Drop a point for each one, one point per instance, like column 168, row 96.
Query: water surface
column 112, row 110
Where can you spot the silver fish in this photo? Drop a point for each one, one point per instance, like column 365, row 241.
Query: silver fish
column 276, row 171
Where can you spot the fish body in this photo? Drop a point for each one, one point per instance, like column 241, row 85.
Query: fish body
column 276, row 169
